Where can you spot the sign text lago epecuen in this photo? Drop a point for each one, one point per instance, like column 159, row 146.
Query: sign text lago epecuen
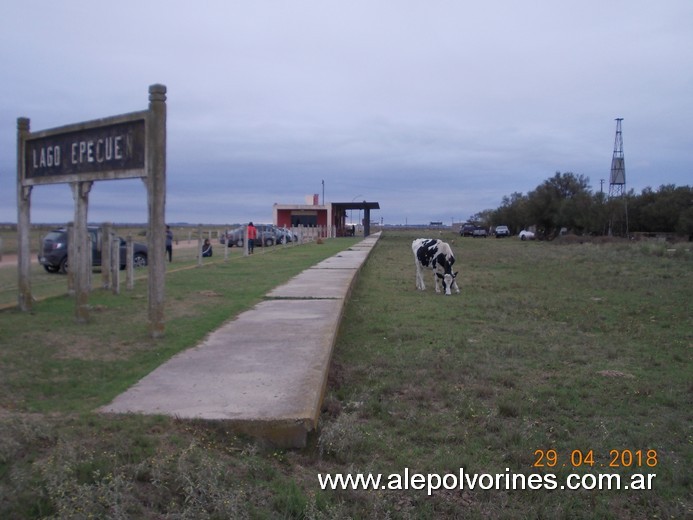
column 110, row 148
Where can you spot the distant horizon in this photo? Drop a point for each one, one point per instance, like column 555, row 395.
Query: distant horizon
column 187, row 224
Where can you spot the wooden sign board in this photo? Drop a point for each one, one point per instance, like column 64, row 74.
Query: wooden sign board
column 110, row 148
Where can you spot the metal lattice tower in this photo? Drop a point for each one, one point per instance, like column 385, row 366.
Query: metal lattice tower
column 617, row 181
column 618, row 223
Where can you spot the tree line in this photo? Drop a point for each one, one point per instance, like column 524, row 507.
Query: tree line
column 566, row 202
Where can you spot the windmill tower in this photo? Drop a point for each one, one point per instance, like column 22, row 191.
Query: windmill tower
column 618, row 222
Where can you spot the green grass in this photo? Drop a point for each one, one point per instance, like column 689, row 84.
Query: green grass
column 548, row 347
column 55, row 365
column 514, row 364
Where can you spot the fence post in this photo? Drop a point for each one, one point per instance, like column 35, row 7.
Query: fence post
column 129, row 262
column 70, row 254
column 106, row 256
column 90, row 261
column 226, row 244
column 245, row 241
column 115, row 264
column 199, row 245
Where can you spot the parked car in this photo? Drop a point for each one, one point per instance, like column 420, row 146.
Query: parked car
column 235, row 237
column 479, row 232
column 526, row 235
column 467, row 230
column 266, row 236
column 54, row 248
column 502, row 231
column 285, row 235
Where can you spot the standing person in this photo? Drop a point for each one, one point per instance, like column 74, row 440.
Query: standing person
column 252, row 235
column 169, row 243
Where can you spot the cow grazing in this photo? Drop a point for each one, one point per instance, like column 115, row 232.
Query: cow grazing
column 437, row 256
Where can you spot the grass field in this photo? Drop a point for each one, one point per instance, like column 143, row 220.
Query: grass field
column 552, row 354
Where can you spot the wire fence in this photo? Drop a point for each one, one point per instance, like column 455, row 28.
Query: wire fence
column 188, row 245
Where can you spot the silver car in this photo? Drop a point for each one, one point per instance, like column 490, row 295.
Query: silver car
column 266, row 236
column 502, row 231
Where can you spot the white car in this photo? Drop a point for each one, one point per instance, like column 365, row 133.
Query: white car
column 526, row 235
column 502, row 231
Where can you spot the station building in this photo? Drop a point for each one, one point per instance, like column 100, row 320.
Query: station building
column 332, row 216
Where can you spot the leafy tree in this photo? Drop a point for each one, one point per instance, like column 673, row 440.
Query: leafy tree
column 565, row 200
column 637, row 214
column 561, row 201
column 513, row 213
column 685, row 223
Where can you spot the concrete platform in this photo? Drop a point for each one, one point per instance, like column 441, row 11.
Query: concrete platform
column 264, row 372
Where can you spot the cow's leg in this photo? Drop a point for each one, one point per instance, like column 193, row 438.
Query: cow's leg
column 436, row 278
column 419, row 278
column 454, row 284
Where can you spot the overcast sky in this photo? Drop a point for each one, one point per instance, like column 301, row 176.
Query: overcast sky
column 436, row 109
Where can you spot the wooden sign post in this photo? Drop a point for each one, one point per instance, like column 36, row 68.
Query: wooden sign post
column 120, row 147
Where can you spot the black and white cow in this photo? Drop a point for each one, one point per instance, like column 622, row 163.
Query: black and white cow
column 436, row 255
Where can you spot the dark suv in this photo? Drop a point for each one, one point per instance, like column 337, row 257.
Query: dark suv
column 53, row 254
column 467, row 230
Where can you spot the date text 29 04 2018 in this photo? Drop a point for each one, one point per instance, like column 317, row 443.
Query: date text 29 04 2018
column 625, row 458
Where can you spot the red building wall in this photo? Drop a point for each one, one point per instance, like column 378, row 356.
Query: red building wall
column 312, row 217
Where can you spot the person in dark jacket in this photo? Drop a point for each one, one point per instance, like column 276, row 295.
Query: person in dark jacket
column 169, row 243
column 206, row 248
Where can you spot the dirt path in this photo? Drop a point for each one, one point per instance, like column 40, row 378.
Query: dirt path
column 11, row 260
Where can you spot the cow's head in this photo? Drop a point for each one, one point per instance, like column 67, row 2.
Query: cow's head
column 447, row 280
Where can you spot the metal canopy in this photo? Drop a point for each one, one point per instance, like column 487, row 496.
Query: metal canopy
column 365, row 206
column 356, row 205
